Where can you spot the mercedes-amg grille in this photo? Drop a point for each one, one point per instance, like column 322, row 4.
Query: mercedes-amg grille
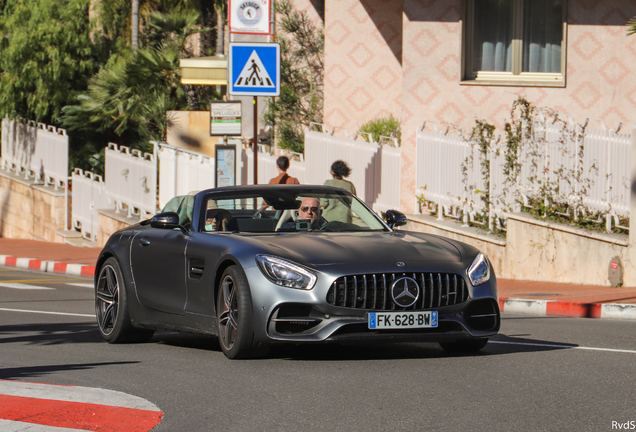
column 373, row 291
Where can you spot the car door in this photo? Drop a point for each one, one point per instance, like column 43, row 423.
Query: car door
column 159, row 269
column 204, row 252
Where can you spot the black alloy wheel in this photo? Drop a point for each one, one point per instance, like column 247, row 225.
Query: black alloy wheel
column 111, row 307
column 234, row 317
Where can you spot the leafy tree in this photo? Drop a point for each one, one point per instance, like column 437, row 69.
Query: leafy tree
column 302, row 72
column 127, row 100
column 47, row 54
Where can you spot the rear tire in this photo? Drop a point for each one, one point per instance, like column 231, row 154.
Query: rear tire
column 464, row 345
column 111, row 307
column 234, row 317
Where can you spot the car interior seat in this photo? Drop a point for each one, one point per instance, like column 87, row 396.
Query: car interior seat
column 286, row 216
column 186, row 208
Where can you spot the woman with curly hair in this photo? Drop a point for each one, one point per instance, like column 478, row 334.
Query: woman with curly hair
column 337, row 209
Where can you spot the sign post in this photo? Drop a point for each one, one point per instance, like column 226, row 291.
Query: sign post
column 250, row 16
column 225, row 118
column 254, row 70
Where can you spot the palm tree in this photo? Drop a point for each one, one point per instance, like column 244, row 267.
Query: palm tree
column 135, row 24
column 631, row 26
column 220, row 6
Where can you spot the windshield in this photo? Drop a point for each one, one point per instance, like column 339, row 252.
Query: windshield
column 287, row 210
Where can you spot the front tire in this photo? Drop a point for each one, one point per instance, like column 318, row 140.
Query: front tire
column 464, row 345
column 234, row 317
column 111, row 307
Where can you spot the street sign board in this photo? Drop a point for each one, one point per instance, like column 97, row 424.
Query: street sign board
column 250, row 16
column 225, row 118
column 254, row 69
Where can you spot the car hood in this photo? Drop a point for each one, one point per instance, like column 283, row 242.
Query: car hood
column 316, row 249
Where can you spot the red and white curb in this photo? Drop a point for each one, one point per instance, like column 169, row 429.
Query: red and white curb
column 47, row 266
column 36, row 407
column 568, row 309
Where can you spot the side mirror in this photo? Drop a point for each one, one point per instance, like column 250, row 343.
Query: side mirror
column 167, row 220
column 395, row 218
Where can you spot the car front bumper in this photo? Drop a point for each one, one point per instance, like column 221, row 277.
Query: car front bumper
column 291, row 315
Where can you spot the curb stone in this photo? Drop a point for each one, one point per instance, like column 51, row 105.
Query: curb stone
column 568, row 309
column 48, row 266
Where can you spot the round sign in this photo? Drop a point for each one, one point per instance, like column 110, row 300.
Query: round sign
column 249, row 13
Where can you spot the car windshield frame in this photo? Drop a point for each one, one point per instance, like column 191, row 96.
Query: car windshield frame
column 278, row 200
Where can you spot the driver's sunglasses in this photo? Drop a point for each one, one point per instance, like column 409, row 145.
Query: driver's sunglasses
column 305, row 209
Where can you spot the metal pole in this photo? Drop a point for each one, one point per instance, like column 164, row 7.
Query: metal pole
column 255, row 140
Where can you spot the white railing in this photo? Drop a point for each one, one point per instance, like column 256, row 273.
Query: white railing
column 131, row 180
column 89, row 196
column 36, row 151
column 588, row 169
column 182, row 171
column 375, row 170
column 448, row 171
column 610, row 151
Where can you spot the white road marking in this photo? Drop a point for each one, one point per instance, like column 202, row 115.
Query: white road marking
column 47, row 313
column 563, row 346
column 71, row 393
column 23, row 286
column 16, row 426
column 83, row 285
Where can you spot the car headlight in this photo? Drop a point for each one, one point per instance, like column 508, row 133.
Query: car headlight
column 479, row 270
column 285, row 273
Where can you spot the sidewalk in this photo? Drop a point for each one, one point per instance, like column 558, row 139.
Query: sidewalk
column 532, row 298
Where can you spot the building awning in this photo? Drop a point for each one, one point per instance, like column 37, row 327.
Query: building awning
column 204, row 70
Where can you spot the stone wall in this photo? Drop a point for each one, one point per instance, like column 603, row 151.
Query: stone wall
column 109, row 222
column 541, row 251
column 29, row 210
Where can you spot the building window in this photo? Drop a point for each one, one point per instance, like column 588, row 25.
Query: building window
column 515, row 42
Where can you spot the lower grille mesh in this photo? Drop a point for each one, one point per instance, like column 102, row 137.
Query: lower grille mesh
column 373, row 291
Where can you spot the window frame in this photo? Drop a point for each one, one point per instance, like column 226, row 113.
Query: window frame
column 515, row 77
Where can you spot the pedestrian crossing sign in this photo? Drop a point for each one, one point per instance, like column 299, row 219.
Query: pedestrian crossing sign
column 254, row 69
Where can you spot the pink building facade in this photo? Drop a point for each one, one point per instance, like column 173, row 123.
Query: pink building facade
column 410, row 58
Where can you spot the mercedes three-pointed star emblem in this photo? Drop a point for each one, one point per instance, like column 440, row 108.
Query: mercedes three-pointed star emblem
column 405, row 291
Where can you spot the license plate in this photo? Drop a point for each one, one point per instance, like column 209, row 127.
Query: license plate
column 402, row 320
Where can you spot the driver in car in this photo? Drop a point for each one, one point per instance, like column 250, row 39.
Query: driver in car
column 309, row 210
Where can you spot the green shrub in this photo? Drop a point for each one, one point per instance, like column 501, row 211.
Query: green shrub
column 388, row 126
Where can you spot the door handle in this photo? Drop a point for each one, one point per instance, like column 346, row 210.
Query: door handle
column 144, row 242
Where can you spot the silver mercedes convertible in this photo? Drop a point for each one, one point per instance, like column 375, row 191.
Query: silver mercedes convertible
column 270, row 264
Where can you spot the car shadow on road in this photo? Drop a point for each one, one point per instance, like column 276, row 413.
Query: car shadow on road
column 50, row 334
column 39, row 371
column 498, row 345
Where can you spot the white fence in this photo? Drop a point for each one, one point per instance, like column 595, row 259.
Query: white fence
column 588, row 169
column 375, row 168
column 89, row 195
column 131, row 180
column 448, row 171
column 182, row 171
column 36, row 151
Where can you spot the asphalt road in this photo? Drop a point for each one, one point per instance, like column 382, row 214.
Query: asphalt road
column 549, row 374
